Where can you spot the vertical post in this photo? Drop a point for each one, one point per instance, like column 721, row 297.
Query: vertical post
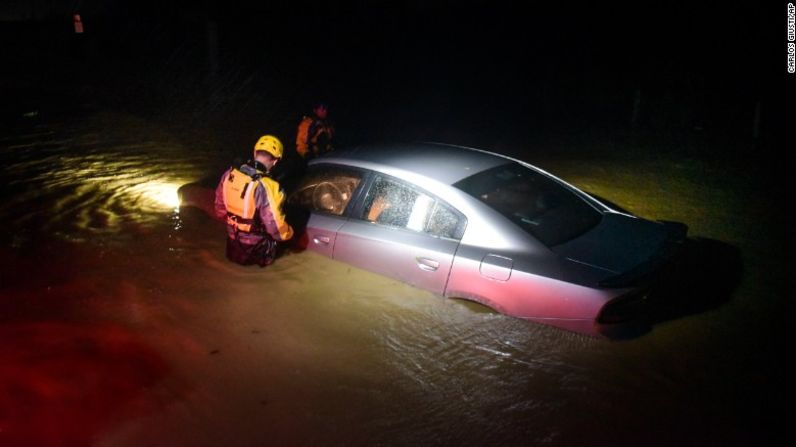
column 78, row 22
column 757, row 118
column 211, row 39
column 211, row 33
column 636, row 108
column 79, row 42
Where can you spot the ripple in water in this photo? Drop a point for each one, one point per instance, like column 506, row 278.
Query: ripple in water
column 79, row 181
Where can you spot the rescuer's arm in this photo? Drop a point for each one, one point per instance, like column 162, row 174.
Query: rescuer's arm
column 269, row 199
column 220, row 207
column 330, row 131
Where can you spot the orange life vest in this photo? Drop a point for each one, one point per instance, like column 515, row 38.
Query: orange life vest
column 239, row 200
column 302, row 136
column 241, row 205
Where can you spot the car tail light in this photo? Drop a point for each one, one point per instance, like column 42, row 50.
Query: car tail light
column 625, row 308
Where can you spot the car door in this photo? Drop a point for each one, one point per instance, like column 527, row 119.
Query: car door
column 326, row 192
column 401, row 232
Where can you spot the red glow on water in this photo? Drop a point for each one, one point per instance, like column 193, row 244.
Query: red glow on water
column 63, row 384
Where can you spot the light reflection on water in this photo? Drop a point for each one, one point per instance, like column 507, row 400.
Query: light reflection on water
column 155, row 195
column 77, row 189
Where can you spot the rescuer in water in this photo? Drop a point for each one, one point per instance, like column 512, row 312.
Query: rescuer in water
column 315, row 133
column 251, row 202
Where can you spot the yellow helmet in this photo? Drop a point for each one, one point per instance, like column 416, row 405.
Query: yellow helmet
column 270, row 144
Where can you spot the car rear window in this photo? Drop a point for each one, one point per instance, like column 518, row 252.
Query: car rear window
column 549, row 211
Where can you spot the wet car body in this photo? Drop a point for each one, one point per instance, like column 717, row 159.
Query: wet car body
column 470, row 224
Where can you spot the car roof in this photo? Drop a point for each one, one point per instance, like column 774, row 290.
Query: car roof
column 443, row 162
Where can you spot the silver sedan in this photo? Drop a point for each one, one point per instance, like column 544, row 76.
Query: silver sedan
column 470, row 224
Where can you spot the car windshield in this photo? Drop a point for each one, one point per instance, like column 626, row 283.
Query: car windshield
column 546, row 209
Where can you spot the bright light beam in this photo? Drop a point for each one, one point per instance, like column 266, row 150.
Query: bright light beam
column 163, row 194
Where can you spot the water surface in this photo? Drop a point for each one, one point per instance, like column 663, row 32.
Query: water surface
column 122, row 323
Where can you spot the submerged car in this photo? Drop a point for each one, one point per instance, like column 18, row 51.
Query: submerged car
column 470, row 224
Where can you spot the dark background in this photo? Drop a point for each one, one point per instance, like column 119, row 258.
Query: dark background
column 705, row 78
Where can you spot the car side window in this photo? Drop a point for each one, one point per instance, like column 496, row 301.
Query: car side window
column 444, row 222
column 326, row 189
column 394, row 204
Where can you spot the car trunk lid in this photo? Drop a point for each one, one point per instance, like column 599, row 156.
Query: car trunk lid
column 625, row 248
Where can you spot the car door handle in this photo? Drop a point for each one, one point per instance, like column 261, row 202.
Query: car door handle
column 426, row 264
column 321, row 240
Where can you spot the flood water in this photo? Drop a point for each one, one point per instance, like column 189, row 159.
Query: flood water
column 122, row 323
